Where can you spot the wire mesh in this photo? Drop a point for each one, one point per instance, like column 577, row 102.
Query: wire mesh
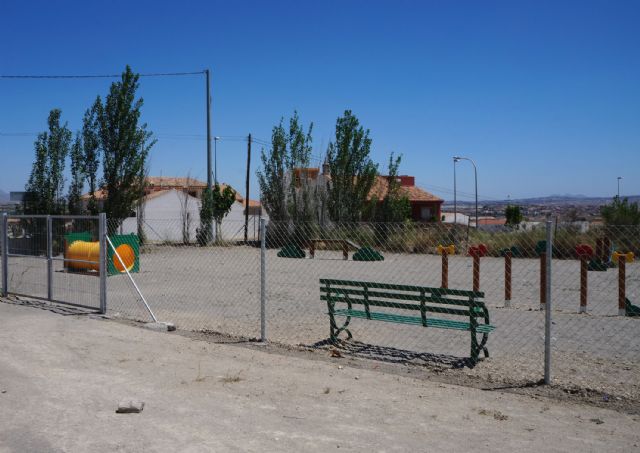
column 597, row 350
column 596, row 342
column 212, row 283
column 37, row 244
column 210, row 286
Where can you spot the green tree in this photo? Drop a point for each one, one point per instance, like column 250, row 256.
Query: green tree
column 301, row 204
column 272, row 177
column 215, row 205
column 395, row 205
column 125, row 145
column 91, row 153
column 77, row 178
column 45, row 188
column 621, row 212
column 353, row 172
column 513, row 215
column 286, row 191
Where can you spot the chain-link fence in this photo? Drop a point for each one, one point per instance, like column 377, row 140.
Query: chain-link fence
column 40, row 260
column 388, row 281
column 598, row 349
column 192, row 280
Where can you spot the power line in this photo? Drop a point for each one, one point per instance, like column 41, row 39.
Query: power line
column 99, row 76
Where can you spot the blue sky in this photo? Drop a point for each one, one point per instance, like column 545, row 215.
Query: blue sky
column 543, row 95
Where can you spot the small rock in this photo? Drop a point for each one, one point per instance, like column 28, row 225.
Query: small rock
column 130, row 407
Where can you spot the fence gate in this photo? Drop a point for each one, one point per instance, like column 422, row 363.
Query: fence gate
column 57, row 258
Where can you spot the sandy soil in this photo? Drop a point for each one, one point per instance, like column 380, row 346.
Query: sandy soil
column 61, row 378
column 217, row 289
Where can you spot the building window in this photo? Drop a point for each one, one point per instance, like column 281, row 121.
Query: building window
column 425, row 213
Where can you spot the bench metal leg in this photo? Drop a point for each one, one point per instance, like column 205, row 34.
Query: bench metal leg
column 475, row 349
column 335, row 331
column 483, row 344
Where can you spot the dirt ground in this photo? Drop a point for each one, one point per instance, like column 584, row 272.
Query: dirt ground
column 62, row 375
column 217, row 289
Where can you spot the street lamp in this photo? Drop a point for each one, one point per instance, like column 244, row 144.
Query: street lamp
column 455, row 201
column 215, row 159
column 475, row 172
column 619, row 178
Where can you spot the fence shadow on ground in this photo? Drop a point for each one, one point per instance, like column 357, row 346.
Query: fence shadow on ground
column 60, row 309
column 392, row 355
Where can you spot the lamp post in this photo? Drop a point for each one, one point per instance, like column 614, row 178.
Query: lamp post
column 619, row 178
column 455, row 200
column 215, row 159
column 475, row 172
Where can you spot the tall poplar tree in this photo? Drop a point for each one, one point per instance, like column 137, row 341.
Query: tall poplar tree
column 77, row 178
column 125, row 145
column 44, row 192
column 91, row 153
column 353, row 173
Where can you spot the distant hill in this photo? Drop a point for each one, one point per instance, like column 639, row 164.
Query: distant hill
column 571, row 199
column 4, row 197
column 553, row 200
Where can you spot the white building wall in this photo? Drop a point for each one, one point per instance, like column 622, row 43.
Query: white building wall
column 163, row 219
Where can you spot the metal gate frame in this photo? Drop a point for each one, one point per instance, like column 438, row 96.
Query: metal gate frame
column 102, row 272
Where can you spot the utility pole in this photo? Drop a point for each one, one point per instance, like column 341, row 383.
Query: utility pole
column 246, row 198
column 209, row 185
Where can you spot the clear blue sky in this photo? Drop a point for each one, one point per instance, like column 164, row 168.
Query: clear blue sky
column 544, row 95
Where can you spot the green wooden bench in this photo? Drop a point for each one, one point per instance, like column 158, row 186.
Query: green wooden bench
column 360, row 297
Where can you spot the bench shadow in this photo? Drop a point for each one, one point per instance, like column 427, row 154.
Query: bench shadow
column 393, row 355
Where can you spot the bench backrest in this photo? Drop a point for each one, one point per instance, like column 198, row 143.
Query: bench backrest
column 404, row 297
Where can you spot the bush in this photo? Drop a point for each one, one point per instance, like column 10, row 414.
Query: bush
column 291, row 251
column 367, row 254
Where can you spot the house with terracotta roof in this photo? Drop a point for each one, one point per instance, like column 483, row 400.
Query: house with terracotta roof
column 172, row 210
column 425, row 207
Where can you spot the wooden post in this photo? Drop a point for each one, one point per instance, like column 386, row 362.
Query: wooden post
column 476, row 272
column 622, row 296
column 543, row 280
column 312, row 248
column 345, row 250
column 445, row 269
column 507, row 279
column 584, row 273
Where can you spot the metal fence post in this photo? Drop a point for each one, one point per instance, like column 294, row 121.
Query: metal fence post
column 263, row 280
column 5, row 254
column 49, row 260
column 102, row 236
column 547, row 324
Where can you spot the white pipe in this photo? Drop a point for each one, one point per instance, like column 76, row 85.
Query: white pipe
column 131, row 278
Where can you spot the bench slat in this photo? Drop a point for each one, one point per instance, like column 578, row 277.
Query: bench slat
column 402, row 306
column 398, row 296
column 402, row 319
column 435, row 291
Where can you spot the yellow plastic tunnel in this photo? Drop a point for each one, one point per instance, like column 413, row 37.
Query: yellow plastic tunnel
column 90, row 251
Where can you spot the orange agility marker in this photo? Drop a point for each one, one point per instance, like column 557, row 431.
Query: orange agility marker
column 449, row 249
column 627, row 257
